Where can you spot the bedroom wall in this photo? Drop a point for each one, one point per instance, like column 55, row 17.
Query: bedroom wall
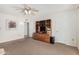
column 7, row 34
column 78, row 29
column 65, row 27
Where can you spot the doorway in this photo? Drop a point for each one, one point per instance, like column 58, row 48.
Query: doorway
column 26, row 29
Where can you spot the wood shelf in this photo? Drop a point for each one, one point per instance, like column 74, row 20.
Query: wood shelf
column 43, row 30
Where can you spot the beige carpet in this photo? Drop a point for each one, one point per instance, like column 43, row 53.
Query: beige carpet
column 30, row 46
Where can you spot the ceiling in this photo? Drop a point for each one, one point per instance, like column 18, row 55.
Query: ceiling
column 43, row 8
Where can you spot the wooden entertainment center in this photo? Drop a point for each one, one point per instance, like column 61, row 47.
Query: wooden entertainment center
column 43, row 30
column 42, row 37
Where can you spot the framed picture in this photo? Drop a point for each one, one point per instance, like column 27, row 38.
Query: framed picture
column 11, row 24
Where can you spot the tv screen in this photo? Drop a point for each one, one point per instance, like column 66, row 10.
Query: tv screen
column 42, row 29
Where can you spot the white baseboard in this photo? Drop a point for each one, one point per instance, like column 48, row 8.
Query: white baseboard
column 7, row 40
column 66, row 43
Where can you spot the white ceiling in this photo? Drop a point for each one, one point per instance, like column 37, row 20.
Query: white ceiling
column 43, row 8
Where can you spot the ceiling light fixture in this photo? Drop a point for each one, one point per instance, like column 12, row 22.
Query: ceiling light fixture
column 27, row 10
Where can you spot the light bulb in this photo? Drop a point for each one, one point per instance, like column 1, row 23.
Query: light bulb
column 29, row 12
column 26, row 12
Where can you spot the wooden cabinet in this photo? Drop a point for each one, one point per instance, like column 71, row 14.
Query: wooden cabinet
column 43, row 30
column 42, row 37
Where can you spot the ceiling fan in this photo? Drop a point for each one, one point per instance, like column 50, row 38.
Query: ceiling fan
column 27, row 10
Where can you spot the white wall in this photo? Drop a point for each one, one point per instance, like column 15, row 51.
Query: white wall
column 64, row 27
column 7, row 34
column 78, row 29
column 32, row 28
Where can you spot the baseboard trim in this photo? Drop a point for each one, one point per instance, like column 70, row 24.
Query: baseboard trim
column 11, row 40
column 65, row 43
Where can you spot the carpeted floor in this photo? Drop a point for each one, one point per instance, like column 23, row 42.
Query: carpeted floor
column 30, row 46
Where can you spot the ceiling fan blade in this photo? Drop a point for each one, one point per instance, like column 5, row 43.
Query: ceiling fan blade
column 33, row 9
column 25, row 7
column 18, row 7
column 33, row 13
column 20, row 11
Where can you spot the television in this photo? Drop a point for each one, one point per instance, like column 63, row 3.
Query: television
column 43, row 29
